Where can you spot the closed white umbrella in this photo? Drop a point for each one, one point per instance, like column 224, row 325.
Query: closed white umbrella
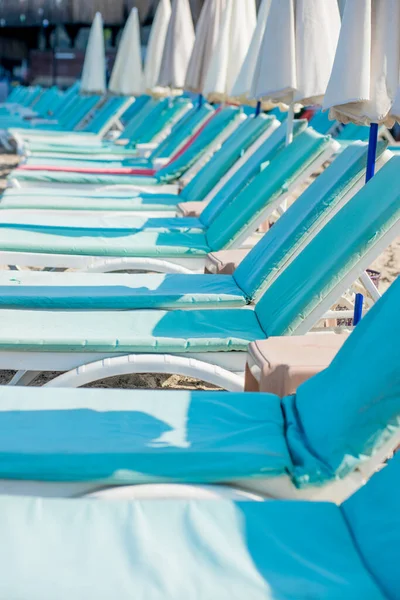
column 238, row 25
column 395, row 111
column 178, row 46
column 156, row 44
column 242, row 86
column 127, row 75
column 365, row 74
column 297, row 53
column 207, row 34
column 93, row 80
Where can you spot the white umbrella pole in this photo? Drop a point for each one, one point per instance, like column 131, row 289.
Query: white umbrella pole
column 289, row 124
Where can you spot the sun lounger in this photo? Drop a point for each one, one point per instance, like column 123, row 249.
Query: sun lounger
column 210, row 344
column 183, row 548
column 321, row 443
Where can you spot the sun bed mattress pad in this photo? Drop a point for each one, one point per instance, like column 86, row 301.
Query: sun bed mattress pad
column 116, row 291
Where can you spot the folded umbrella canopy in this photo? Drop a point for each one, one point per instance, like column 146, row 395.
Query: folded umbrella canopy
column 93, row 80
column 178, row 47
column 237, row 28
column 156, row 44
column 242, row 86
column 127, row 74
column 207, row 34
column 365, row 73
column 297, row 53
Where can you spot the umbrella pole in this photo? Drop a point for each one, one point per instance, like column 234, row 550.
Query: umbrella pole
column 258, row 109
column 200, row 101
column 289, row 124
column 373, row 141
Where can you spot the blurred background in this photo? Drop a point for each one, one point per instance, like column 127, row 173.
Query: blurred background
column 43, row 41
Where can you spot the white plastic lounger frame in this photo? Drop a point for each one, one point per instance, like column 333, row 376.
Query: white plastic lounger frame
column 171, row 265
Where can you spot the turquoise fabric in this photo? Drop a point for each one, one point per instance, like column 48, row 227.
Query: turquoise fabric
column 232, row 149
column 340, row 417
column 352, row 132
column 153, row 331
column 81, row 178
column 102, row 242
column 271, row 183
column 163, row 115
column 196, row 437
column 374, row 519
column 292, row 229
column 246, row 173
column 182, row 131
column 105, row 115
column 179, row 550
column 111, row 221
column 316, row 271
column 214, row 128
column 321, row 122
column 117, row 291
column 110, row 201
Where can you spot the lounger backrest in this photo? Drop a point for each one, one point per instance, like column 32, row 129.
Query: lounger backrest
column 373, row 517
column 231, row 150
column 266, row 188
column 111, row 107
column 245, row 175
column 134, row 108
column 160, row 117
column 352, row 132
column 297, row 224
column 214, row 127
column 321, row 122
column 137, row 117
column 78, row 112
column 181, row 131
column 344, row 414
column 330, row 260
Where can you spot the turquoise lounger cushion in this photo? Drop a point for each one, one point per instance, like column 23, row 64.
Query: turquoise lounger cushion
column 129, row 331
column 128, row 223
column 291, row 230
column 187, row 437
column 117, row 291
column 231, row 150
column 81, row 178
column 346, row 414
column 109, row 200
column 179, row 550
column 334, row 251
column 102, row 242
column 374, row 519
column 266, row 188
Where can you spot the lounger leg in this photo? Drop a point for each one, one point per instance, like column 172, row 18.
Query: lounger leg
column 22, row 378
column 150, row 363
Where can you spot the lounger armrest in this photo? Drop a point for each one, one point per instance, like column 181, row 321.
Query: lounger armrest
column 280, row 364
column 225, row 262
column 190, row 209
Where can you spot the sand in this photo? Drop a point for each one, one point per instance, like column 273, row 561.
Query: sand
column 388, row 264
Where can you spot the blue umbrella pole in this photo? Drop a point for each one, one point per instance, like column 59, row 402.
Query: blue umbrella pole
column 358, row 307
column 373, row 141
column 200, row 101
column 258, row 109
